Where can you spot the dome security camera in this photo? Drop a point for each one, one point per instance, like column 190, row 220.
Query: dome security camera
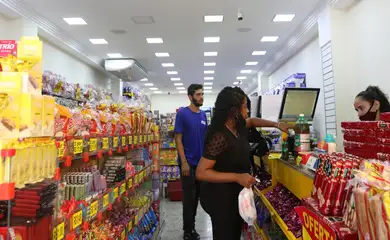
column 240, row 17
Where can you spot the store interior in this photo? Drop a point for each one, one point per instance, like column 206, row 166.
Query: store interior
column 89, row 92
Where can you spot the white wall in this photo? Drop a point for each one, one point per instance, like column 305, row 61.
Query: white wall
column 307, row 60
column 169, row 103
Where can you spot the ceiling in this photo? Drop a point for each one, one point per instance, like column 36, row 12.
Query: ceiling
column 180, row 24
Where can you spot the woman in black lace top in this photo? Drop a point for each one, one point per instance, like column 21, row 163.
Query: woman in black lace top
column 224, row 167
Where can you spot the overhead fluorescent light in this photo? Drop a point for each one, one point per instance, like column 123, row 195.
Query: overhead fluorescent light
column 175, row 79
column 236, row 83
column 154, row 40
column 211, row 39
column 182, row 91
column 209, row 72
column 168, row 64
column 207, row 88
column 98, row 41
column 208, row 78
column 75, row 21
column 251, row 63
column 210, row 54
column 143, row 80
column 157, row 92
column 149, row 84
column 207, row 91
column 153, row 88
column 208, row 83
column 114, row 55
column 269, row 39
column 180, row 88
column 178, row 84
column 283, row 17
column 246, row 71
column 162, row 54
column 213, row 18
column 241, row 77
column 258, row 53
column 209, row 64
column 172, row 72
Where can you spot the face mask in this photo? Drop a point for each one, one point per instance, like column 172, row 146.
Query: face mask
column 369, row 116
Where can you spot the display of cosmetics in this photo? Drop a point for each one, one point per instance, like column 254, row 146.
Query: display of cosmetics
column 169, row 173
column 140, row 156
column 114, row 170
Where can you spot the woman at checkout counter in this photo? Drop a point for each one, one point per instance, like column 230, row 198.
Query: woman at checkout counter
column 369, row 104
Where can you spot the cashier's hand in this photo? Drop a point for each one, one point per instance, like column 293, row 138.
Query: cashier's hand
column 284, row 127
column 245, row 180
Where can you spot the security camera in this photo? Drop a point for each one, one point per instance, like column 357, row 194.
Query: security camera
column 240, row 17
column 169, row 93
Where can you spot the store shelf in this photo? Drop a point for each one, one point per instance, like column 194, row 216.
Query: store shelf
column 277, row 218
column 260, row 232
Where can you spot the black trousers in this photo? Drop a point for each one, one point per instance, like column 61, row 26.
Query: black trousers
column 191, row 191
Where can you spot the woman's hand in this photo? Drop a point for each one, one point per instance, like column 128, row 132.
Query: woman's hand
column 284, row 127
column 245, row 180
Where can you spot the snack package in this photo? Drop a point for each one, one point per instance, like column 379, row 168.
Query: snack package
column 341, row 191
column 61, row 121
column 30, row 115
column 9, row 115
column 361, row 196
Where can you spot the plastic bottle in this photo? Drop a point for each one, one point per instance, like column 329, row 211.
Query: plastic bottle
column 331, row 143
column 302, row 135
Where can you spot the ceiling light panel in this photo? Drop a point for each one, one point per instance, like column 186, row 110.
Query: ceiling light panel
column 283, row 17
column 209, row 72
column 207, row 91
column 162, row 54
column 208, row 83
column 172, row 72
column 246, row 71
column 236, row 83
column 180, row 88
column 98, row 41
column 149, row 84
column 208, row 78
column 144, row 80
column 175, row 79
column 213, row 18
column 153, row 88
column 178, row 84
column 251, row 63
column 182, row 91
column 210, row 54
column 168, row 64
column 241, row 77
column 259, row 53
column 75, row 21
column 211, row 39
column 269, row 39
column 157, row 92
column 114, row 55
column 154, row 40
column 207, row 88
column 209, row 64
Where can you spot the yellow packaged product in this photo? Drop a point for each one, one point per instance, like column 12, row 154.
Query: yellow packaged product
column 30, row 49
column 48, row 104
column 33, row 83
column 31, row 115
column 9, row 115
column 11, row 82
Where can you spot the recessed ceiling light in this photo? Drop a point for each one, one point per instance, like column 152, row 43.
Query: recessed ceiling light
column 175, row 79
column 98, row 41
column 210, row 54
column 251, row 63
column 207, row 88
column 241, row 78
column 207, row 91
column 157, row 92
column 154, row 40
column 208, row 78
column 149, row 84
column 178, row 84
column 208, row 72
column 172, row 72
column 182, row 91
column 269, row 39
column 75, row 21
column 180, row 88
column 209, row 64
column 211, row 39
column 153, row 88
column 257, row 53
column 283, row 17
column 236, row 83
column 168, row 64
column 162, row 54
column 246, row 71
column 144, row 80
column 213, row 18
column 114, row 55
column 208, row 83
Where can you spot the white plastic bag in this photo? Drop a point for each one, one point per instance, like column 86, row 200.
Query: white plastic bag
column 246, row 206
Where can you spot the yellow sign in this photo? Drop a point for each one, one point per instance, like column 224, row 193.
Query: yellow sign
column 77, row 219
column 123, row 142
column 130, row 183
column 123, row 188
column 105, row 200
column 136, row 139
column 130, row 226
column 93, row 209
column 92, row 144
column 77, row 146
column 123, row 235
column 105, row 143
column 130, row 139
column 115, row 192
column 115, row 143
column 61, row 149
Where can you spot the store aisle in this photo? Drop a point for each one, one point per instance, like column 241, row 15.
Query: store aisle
column 172, row 214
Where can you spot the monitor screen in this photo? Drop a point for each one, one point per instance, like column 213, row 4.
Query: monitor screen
column 299, row 101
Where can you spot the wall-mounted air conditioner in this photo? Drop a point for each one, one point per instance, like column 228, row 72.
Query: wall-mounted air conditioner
column 127, row 69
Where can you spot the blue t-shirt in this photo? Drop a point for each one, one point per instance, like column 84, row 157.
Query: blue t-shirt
column 193, row 127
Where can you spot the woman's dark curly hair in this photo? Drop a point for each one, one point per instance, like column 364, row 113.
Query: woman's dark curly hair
column 374, row 93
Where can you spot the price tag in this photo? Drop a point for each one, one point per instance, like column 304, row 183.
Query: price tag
column 130, row 140
column 92, row 144
column 130, row 226
column 61, row 149
column 130, row 183
column 136, row 139
column 123, row 142
column 77, row 219
column 105, row 200
column 60, row 231
column 105, row 143
column 115, row 192
column 77, row 146
column 115, row 143
column 93, row 209
column 123, row 188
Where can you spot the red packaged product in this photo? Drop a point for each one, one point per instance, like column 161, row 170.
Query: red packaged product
column 332, row 185
column 316, row 177
column 322, row 178
column 385, row 117
column 365, row 125
column 383, row 156
column 341, row 191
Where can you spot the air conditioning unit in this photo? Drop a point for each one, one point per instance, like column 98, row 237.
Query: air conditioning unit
column 127, row 69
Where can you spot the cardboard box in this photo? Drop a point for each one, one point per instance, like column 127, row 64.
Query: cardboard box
column 30, row 115
column 9, row 115
column 48, row 104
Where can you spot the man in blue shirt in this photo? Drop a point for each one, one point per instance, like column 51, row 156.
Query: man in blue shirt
column 190, row 131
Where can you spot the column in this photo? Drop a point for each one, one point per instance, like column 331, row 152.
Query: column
column 15, row 29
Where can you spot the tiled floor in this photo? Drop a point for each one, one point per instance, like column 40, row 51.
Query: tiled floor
column 172, row 214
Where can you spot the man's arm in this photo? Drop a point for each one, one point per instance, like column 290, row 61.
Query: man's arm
column 180, row 148
column 179, row 130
